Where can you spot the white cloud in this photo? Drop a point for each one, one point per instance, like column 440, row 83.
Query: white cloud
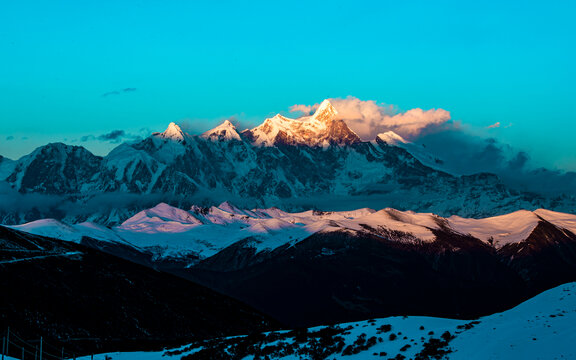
column 305, row 109
column 368, row 119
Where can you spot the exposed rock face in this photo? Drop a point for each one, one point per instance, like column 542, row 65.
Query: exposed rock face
column 321, row 129
column 55, row 169
column 314, row 161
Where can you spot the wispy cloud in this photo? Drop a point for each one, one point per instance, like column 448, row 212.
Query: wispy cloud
column 87, row 138
column 463, row 150
column 305, row 109
column 119, row 92
column 495, row 125
column 114, row 136
column 466, row 153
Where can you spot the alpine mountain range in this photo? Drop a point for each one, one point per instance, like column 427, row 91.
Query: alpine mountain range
column 313, row 162
column 180, row 238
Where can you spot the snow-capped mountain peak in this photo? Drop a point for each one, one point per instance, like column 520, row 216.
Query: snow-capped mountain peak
column 325, row 111
column 173, row 132
column 229, row 207
column 320, row 129
column 391, row 138
column 224, row 131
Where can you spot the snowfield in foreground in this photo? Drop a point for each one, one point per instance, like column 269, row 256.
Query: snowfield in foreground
column 541, row 328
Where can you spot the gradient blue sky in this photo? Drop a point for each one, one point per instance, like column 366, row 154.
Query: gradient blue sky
column 488, row 62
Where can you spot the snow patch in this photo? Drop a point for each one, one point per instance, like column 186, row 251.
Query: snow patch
column 391, row 138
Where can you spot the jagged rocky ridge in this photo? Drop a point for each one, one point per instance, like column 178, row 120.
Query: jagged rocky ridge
column 311, row 162
column 318, row 267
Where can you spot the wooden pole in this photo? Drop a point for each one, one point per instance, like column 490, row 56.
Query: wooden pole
column 40, row 347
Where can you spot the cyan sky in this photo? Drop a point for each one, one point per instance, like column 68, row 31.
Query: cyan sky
column 485, row 62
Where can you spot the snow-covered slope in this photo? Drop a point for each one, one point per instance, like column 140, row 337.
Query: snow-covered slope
column 293, row 164
column 172, row 232
column 562, row 220
column 223, row 132
column 321, row 129
column 55, row 229
column 511, row 228
column 391, row 138
column 173, row 132
column 269, row 257
column 501, row 230
column 540, row 328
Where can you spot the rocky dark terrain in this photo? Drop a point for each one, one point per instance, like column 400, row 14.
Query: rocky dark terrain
column 92, row 301
column 339, row 277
